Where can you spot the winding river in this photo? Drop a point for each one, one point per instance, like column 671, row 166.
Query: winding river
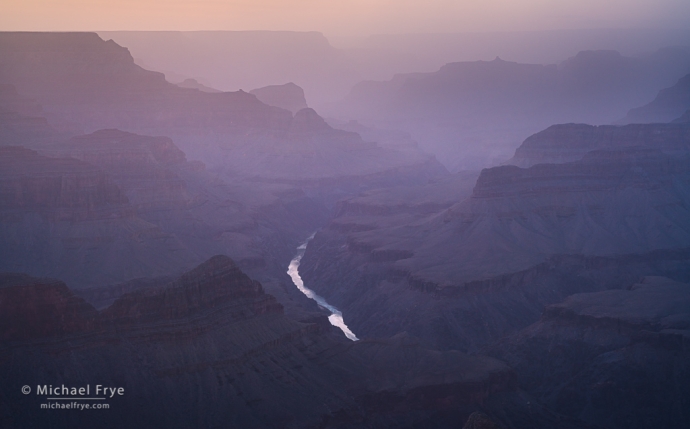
column 336, row 317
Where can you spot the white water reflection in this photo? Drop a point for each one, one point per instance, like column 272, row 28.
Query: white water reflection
column 336, row 317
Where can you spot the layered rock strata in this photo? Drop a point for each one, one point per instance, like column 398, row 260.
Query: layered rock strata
column 212, row 349
column 615, row 358
column 66, row 218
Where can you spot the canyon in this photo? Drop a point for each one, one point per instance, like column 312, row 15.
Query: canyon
column 166, row 238
column 233, row 356
column 476, row 112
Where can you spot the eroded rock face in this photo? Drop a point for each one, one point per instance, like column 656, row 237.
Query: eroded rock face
column 615, row 358
column 39, row 308
column 143, row 167
column 79, row 78
column 517, row 217
column 64, row 217
column 215, row 283
column 60, row 188
column 473, row 114
column 494, row 257
column 271, row 178
column 570, row 142
column 212, row 349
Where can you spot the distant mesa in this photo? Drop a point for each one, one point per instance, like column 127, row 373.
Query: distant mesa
column 570, row 142
column 97, row 85
column 472, row 114
column 113, row 146
column 289, row 96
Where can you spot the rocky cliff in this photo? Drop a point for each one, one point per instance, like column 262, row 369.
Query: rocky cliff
column 616, row 358
column 143, row 167
column 79, row 78
column 383, row 253
column 66, row 218
column 570, row 142
column 32, row 306
column 473, row 114
column 212, row 349
column 608, row 203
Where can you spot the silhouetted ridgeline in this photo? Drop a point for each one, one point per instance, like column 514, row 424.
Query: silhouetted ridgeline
column 475, row 113
column 233, row 358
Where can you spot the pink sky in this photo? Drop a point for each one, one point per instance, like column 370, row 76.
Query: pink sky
column 340, row 17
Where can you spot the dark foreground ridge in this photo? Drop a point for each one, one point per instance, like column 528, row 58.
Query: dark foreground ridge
column 617, row 358
column 212, row 349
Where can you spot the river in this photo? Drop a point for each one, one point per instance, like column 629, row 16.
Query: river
column 336, row 317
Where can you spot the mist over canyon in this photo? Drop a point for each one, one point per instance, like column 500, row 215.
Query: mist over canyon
column 261, row 230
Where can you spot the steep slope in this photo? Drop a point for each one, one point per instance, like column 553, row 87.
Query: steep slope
column 497, row 258
column 255, row 223
column 142, row 166
column 668, row 105
column 570, row 142
column 80, row 78
column 607, row 203
column 270, row 179
column 65, row 218
column 475, row 113
column 266, row 57
column 220, row 352
column 618, row 359
column 327, row 69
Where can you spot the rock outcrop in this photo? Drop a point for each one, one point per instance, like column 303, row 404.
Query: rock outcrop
column 79, row 78
column 65, row 218
column 212, row 349
column 570, row 142
column 617, row 359
column 39, row 308
column 143, row 167
column 517, row 217
column 473, row 114
column 384, row 257
column 271, row 177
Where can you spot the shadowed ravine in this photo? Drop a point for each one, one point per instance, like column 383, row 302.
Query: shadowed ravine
column 336, row 317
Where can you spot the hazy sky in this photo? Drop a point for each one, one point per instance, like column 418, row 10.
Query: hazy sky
column 340, row 17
